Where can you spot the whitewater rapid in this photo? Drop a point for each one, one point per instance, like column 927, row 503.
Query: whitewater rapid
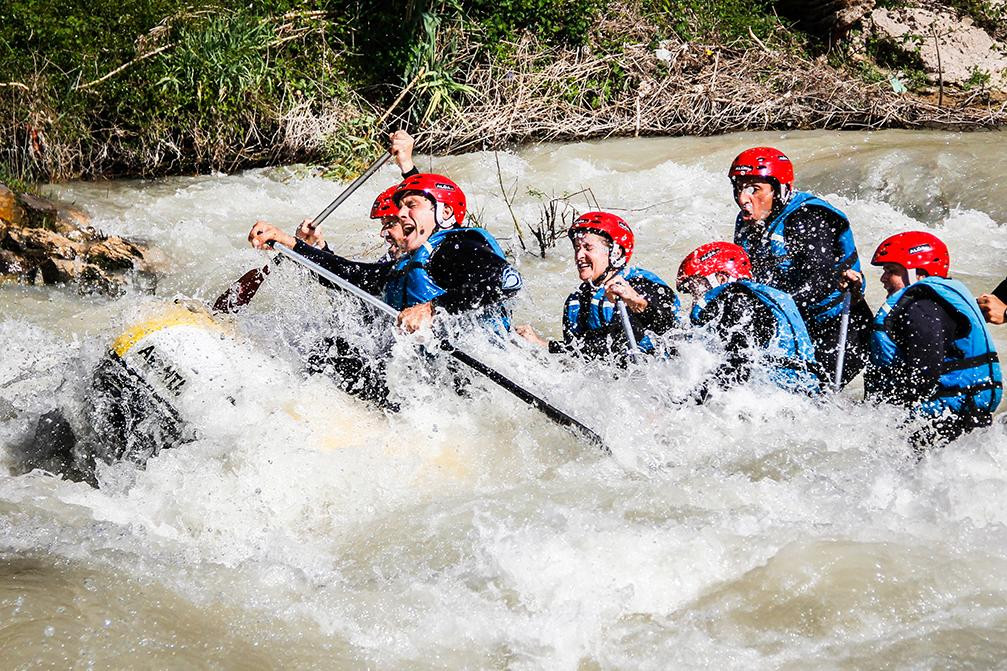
column 302, row 529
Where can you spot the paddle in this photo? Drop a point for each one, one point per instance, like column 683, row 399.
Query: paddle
column 844, row 327
column 520, row 392
column 245, row 287
column 632, row 346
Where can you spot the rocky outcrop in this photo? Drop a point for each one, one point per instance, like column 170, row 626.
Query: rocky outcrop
column 947, row 47
column 826, row 17
column 47, row 242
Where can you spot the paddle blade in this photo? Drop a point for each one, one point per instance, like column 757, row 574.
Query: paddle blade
column 241, row 291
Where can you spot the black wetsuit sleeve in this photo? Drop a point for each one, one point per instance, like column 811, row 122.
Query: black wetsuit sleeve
column 811, row 241
column 409, row 173
column 371, row 277
column 469, row 271
column 742, row 322
column 923, row 330
column 1001, row 291
column 660, row 315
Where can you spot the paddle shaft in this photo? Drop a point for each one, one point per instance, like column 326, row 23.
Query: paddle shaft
column 245, row 287
column 348, row 191
column 844, row 327
column 632, row 346
column 520, row 392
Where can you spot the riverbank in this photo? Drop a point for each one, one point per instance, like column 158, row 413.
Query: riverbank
column 91, row 91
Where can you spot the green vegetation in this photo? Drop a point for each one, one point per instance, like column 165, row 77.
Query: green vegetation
column 720, row 21
column 990, row 15
column 555, row 22
column 892, row 55
column 150, row 87
column 102, row 87
column 978, row 79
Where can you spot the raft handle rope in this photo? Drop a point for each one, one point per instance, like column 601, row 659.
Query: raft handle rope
column 549, row 410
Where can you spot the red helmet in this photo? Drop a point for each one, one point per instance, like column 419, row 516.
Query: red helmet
column 438, row 188
column 915, row 249
column 715, row 257
column 764, row 162
column 383, row 205
column 608, row 226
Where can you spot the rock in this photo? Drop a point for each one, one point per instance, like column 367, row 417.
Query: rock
column 87, row 277
column 114, row 253
column 59, row 271
column 826, row 17
column 93, row 280
column 39, row 212
column 54, row 243
column 11, row 263
column 71, row 220
column 40, row 241
column 11, row 211
column 966, row 51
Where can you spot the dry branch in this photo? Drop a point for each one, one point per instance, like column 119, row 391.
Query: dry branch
column 552, row 95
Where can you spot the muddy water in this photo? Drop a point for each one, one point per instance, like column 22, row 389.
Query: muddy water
column 302, row 529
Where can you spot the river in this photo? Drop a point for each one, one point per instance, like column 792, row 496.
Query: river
column 301, row 529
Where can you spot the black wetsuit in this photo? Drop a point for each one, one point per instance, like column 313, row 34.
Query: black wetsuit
column 925, row 331
column 1001, row 291
column 465, row 267
column 610, row 340
column 744, row 324
column 811, row 239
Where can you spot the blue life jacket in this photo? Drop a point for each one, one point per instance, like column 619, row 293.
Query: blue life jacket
column 791, row 349
column 410, row 282
column 773, row 243
column 602, row 311
column 970, row 381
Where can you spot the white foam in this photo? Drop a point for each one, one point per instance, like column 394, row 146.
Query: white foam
column 760, row 529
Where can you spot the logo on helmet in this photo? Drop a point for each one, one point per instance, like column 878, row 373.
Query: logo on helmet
column 447, row 187
column 709, row 255
column 921, row 248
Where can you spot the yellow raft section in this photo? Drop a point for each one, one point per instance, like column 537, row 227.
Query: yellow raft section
column 335, row 432
column 178, row 315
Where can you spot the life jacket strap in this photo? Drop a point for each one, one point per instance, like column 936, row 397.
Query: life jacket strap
column 971, row 362
column 848, row 262
column 968, row 391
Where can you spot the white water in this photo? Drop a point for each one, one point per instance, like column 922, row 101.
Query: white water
column 306, row 531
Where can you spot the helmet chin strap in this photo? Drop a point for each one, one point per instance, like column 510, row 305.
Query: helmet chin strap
column 439, row 218
column 614, row 266
column 714, row 282
column 608, row 273
column 614, row 261
column 782, row 195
